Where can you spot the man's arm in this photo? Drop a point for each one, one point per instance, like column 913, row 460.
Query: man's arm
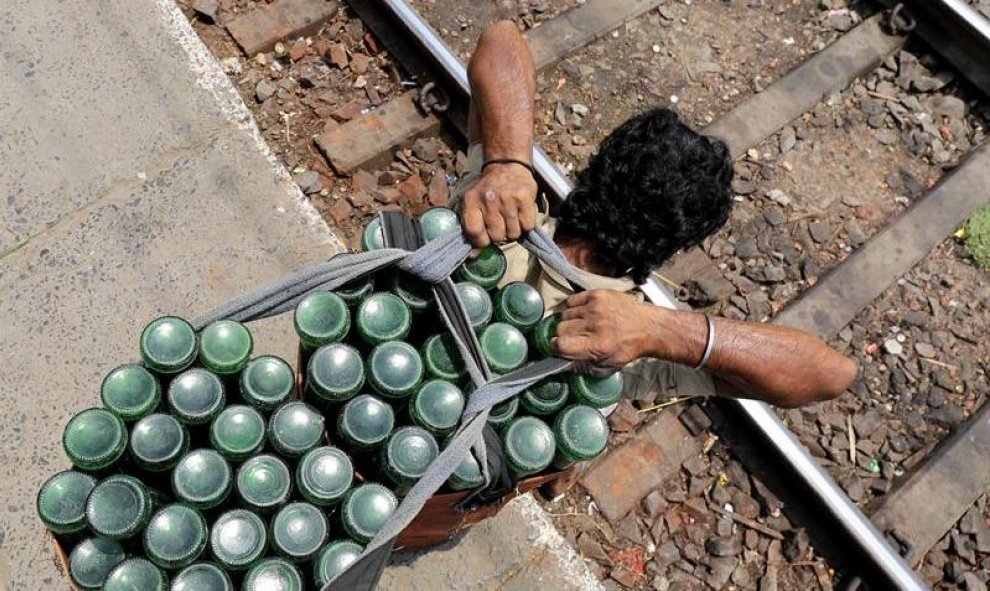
column 776, row 364
column 502, row 204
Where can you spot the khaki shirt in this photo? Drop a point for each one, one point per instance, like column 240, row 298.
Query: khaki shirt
column 644, row 379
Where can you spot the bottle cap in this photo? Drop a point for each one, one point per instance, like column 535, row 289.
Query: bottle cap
column 529, row 446
column 414, row 292
column 438, row 221
column 442, row 358
column 238, row 432
column 62, row 501
column 195, row 396
column 477, row 304
column 372, row 238
column 365, row 510
column 545, row 398
column 407, row 454
column 158, row 441
column 504, row 347
column 202, row 576
column 238, row 539
column 321, row 318
column 335, row 373
column 264, row 482
column 136, row 573
column 168, row 344
column 273, row 573
column 130, row 392
column 383, row 317
column 520, row 305
column 92, row 560
column 437, row 407
column 334, row 559
column 395, row 369
column 365, row 422
column 118, row 508
column 467, row 475
column 581, row 433
column 266, row 382
column 544, row 332
column 175, row 536
column 295, row 428
column 353, row 293
column 486, row 269
column 94, row 439
column 299, row 531
column 202, row 478
column 598, row 392
column 324, row 474
column 502, row 413
column 225, row 347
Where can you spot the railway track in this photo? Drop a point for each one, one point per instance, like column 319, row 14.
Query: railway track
column 905, row 523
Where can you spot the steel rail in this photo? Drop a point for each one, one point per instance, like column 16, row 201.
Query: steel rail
column 795, row 456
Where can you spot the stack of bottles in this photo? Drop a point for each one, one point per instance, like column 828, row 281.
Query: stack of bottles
column 206, row 468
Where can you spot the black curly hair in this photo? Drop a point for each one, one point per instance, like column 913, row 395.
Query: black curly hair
column 654, row 187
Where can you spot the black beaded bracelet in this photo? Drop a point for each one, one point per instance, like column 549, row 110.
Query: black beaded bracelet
column 527, row 165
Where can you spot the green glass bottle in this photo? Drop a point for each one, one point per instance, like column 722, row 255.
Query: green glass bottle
column 486, row 269
column 323, row 476
column 365, row 423
column 196, row 396
column 372, row 238
column 438, row 221
column 581, row 433
column 62, row 501
column 413, row 292
column 158, row 441
column 168, row 345
column 225, row 347
column 202, row 576
column 92, row 560
column 295, row 428
column 477, row 304
column 202, row 478
column 597, row 392
column 442, row 358
column 437, row 407
column 263, row 483
column 238, row 432
column 544, row 333
column 175, row 536
column 94, row 439
column 130, row 392
column 273, row 574
column 504, row 347
column 136, row 574
column 394, row 369
column 545, row 398
column 119, row 507
column 503, row 413
column 406, row 455
column 383, row 317
column 529, row 446
column 321, row 318
column 334, row 559
column 335, row 373
column 520, row 305
column 298, row 531
column 267, row 382
column 238, row 539
column 467, row 475
column 365, row 509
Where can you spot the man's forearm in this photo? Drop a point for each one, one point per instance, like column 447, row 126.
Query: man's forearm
column 503, row 87
column 777, row 364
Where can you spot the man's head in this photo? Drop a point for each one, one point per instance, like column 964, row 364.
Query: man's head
column 654, row 187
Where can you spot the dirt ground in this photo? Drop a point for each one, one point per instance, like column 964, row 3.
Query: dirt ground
column 805, row 199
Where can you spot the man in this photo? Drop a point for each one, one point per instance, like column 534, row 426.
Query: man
column 655, row 187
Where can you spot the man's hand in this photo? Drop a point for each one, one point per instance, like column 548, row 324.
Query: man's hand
column 500, row 206
column 605, row 329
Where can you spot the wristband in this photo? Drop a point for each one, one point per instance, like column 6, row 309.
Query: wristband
column 526, row 165
column 709, row 346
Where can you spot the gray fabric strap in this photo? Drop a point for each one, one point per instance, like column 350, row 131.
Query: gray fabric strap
column 537, row 242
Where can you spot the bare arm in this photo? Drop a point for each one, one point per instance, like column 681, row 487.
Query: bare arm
column 502, row 204
column 776, row 364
